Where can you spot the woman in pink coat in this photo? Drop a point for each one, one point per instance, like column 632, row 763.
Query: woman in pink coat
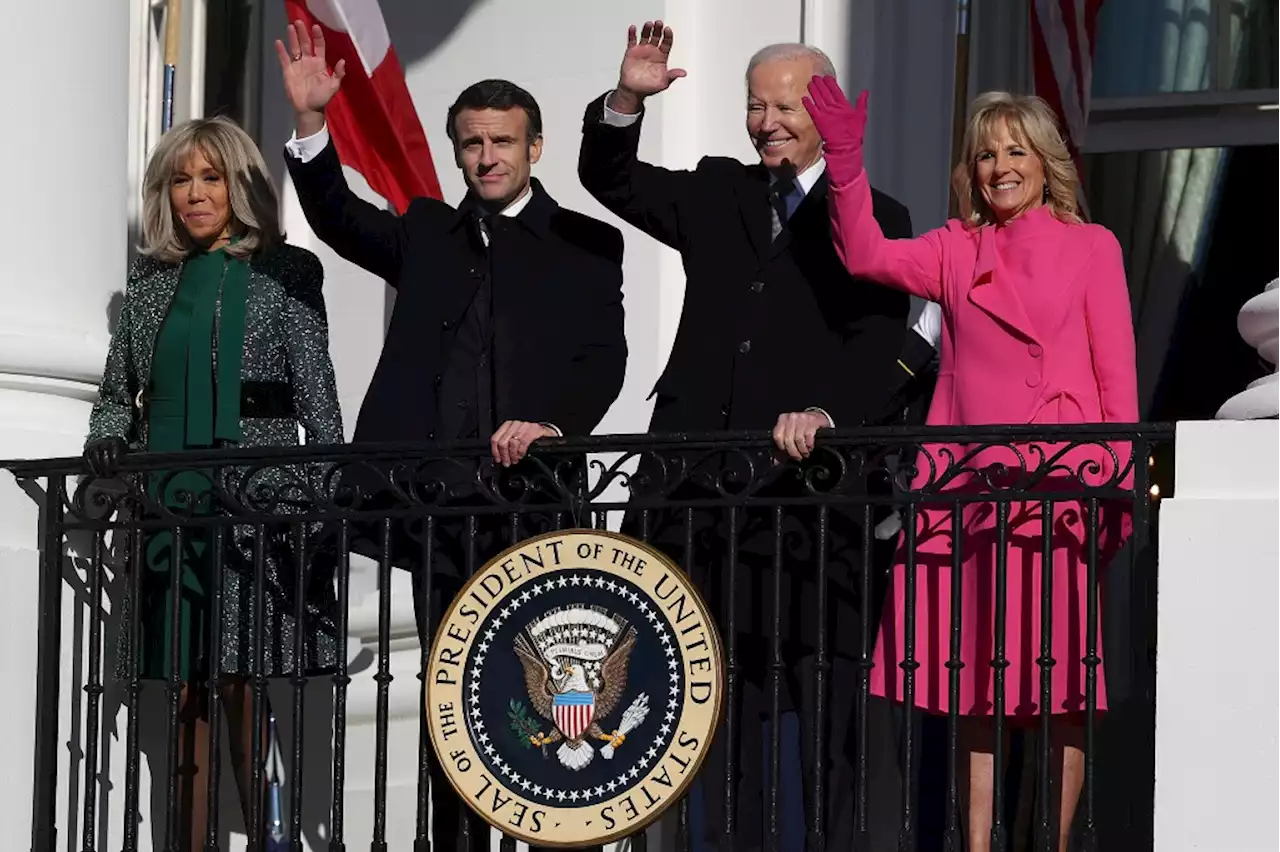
column 1036, row 330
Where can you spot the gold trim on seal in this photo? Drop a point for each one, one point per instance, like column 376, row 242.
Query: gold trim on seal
column 686, row 619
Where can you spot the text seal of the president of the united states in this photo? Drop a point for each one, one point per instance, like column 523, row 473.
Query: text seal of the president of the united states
column 574, row 687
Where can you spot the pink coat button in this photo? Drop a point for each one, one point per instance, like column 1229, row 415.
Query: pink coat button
column 1033, row 380
column 1035, row 350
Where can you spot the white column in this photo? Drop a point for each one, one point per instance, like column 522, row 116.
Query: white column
column 1259, row 325
column 1216, row 683
column 64, row 246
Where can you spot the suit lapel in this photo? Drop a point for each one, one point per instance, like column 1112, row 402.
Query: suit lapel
column 753, row 207
column 994, row 292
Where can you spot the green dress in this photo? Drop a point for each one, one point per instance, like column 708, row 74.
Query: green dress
column 193, row 402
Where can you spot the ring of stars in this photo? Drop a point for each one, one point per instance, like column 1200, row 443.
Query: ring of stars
column 669, row 718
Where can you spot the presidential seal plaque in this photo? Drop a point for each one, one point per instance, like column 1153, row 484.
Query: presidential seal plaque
column 574, row 687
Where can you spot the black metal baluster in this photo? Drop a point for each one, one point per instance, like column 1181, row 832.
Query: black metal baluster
column 215, row 691
column 776, row 665
column 133, row 759
column 861, row 830
column 93, row 689
column 732, row 718
column 44, row 825
column 383, row 678
column 508, row 843
column 464, row 813
column 341, row 680
column 821, row 670
column 639, row 842
column 174, row 690
column 955, row 839
column 257, row 827
column 684, row 831
column 999, row 663
column 1089, row 833
column 1047, row 840
column 299, row 683
column 422, row 842
column 907, row 832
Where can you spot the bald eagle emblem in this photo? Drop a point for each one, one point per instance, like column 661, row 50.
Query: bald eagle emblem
column 575, row 670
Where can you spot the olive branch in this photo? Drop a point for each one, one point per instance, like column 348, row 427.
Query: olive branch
column 521, row 725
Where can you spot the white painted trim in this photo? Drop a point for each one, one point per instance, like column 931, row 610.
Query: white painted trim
column 195, row 22
column 1185, row 100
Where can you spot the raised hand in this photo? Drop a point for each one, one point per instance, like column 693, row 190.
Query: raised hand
column 841, row 125
column 644, row 66
column 308, row 83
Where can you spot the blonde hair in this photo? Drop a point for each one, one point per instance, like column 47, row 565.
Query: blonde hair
column 255, row 207
column 1032, row 122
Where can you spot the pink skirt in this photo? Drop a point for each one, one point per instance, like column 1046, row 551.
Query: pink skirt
column 1025, row 573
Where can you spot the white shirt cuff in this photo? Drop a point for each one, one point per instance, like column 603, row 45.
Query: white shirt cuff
column 830, row 422
column 554, row 428
column 307, row 148
column 618, row 119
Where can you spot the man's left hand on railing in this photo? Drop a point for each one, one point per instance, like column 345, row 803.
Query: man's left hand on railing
column 510, row 443
column 795, row 431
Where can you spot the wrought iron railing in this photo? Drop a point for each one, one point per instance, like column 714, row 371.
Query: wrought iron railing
column 801, row 536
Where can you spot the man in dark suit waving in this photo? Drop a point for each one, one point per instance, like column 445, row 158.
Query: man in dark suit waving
column 774, row 335
column 508, row 321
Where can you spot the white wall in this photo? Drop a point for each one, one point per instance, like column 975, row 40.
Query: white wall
column 1217, row 701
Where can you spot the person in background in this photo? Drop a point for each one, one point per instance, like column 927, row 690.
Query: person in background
column 917, row 379
column 769, row 316
column 222, row 341
column 508, row 319
column 1036, row 330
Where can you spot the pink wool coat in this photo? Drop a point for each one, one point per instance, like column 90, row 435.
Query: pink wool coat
column 1036, row 330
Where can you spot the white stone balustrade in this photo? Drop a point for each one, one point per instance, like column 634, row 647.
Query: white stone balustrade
column 1259, row 325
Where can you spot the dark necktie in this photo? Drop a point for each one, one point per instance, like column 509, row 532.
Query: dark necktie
column 784, row 197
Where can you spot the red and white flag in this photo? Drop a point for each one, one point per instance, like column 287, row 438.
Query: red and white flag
column 1062, row 38
column 372, row 121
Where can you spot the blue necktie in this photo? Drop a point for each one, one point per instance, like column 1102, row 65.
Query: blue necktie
column 784, row 197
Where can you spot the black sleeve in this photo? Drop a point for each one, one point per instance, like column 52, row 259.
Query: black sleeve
column 366, row 235
column 874, row 334
column 647, row 196
column 596, row 374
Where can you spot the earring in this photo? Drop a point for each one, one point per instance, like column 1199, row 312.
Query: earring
column 1044, row 196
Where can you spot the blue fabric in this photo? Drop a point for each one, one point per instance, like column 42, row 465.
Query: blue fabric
column 792, row 199
column 791, row 816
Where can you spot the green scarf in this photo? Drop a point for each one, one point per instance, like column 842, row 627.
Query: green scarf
column 201, row 384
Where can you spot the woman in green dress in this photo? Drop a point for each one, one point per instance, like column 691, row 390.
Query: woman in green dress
column 222, row 341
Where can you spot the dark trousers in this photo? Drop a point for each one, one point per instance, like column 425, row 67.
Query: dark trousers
column 750, row 822
column 787, row 556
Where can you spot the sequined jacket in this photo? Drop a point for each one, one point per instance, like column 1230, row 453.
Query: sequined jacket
column 286, row 340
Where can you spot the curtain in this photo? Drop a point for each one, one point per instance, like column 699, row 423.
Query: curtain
column 1160, row 203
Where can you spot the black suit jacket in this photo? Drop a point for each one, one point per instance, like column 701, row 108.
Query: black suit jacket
column 768, row 326
column 560, row 350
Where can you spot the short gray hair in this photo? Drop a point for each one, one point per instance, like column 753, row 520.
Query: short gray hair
column 255, row 206
column 789, row 52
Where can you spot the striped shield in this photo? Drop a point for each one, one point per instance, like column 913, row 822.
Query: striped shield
column 573, row 712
